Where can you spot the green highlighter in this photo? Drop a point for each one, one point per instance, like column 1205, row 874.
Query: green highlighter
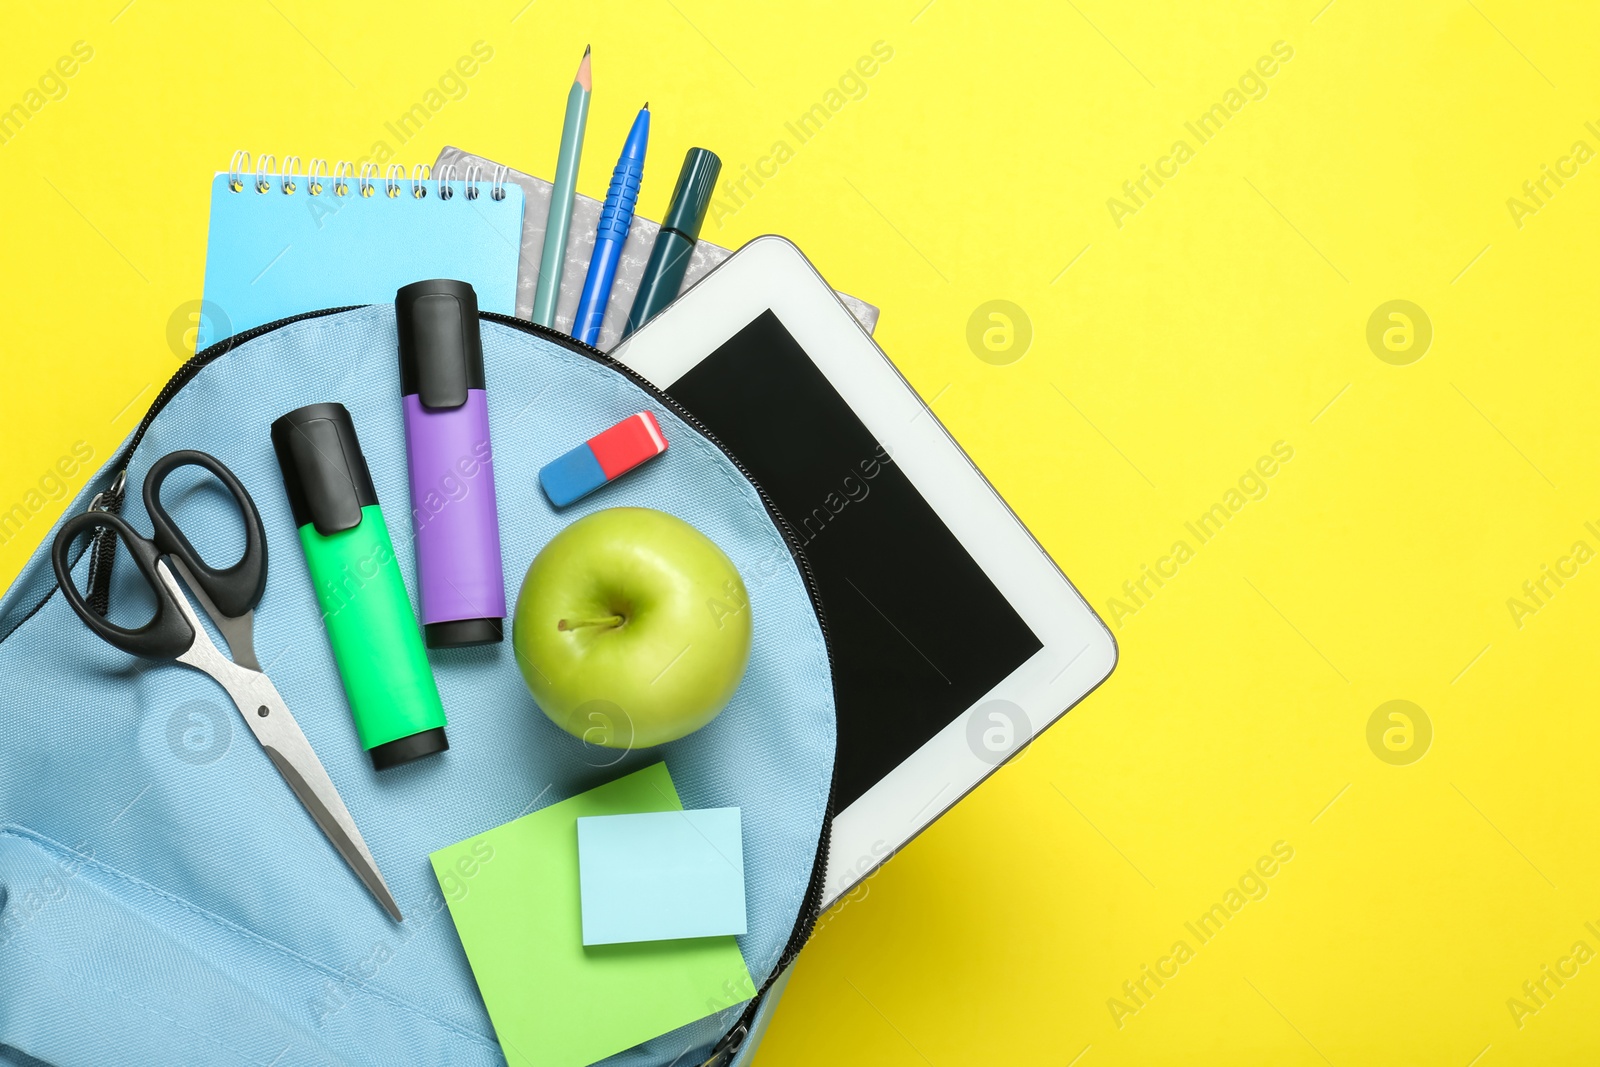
column 376, row 641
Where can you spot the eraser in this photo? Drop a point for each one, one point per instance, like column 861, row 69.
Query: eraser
column 605, row 456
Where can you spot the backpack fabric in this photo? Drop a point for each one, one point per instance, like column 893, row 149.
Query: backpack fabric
column 163, row 896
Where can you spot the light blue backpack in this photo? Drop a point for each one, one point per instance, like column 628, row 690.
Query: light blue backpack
column 164, row 899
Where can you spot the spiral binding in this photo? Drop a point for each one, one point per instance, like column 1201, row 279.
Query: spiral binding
column 263, row 175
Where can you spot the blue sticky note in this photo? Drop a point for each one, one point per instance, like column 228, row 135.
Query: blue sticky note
column 661, row 875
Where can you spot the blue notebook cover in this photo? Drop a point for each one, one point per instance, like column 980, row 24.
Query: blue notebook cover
column 273, row 254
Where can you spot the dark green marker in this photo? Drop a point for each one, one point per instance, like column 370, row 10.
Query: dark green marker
column 669, row 259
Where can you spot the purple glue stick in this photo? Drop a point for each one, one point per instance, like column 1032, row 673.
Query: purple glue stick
column 453, row 518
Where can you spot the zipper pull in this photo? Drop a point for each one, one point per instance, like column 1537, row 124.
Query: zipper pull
column 113, row 490
column 103, row 545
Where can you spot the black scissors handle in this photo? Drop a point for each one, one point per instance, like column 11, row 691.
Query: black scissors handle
column 232, row 590
column 167, row 635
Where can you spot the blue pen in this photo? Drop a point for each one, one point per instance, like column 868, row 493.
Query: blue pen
column 615, row 219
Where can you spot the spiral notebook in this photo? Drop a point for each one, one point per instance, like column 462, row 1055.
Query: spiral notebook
column 285, row 240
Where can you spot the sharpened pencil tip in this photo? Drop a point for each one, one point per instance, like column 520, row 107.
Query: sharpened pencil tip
column 583, row 77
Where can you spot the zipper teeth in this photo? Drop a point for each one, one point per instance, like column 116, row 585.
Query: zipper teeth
column 112, row 501
column 811, row 909
column 185, row 374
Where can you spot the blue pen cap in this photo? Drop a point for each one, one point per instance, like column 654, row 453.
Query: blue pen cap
column 691, row 197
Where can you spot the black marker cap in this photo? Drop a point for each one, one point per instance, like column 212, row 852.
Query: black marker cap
column 323, row 468
column 441, row 354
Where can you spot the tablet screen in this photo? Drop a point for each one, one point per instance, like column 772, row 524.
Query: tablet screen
column 918, row 633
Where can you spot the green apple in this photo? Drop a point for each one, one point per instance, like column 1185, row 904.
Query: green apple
column 632, row 628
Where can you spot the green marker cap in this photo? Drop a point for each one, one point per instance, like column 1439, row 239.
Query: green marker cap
column 691, row 197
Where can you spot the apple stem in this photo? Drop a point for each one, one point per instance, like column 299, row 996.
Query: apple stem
column 605, row 620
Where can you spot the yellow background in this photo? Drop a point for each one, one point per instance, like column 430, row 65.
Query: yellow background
column 1228, row 313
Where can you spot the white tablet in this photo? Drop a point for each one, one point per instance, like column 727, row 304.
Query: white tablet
column 955, row 638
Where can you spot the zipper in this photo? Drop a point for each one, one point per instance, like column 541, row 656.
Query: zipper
column 111, row 499
column 103, row 543
column 104, row 550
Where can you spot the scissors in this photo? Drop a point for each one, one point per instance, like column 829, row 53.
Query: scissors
column 229, row 597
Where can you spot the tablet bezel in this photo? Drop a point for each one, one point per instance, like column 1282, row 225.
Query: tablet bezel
column 1078, row 651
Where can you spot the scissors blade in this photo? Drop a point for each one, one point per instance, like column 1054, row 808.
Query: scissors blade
column 285, row 743
column 303, row 771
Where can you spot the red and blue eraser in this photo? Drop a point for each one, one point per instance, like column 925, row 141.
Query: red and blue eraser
column 603, row 457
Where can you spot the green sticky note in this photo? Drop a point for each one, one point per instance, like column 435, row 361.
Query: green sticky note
column 515, row 899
